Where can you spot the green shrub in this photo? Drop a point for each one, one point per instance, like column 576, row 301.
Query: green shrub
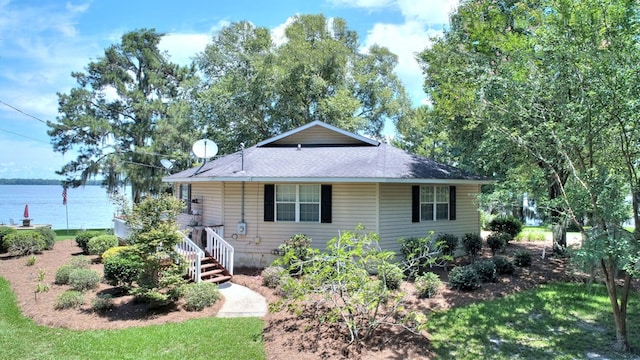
column 69, row 299
column 420, row 253
column 272, row 276
column 506, row 224
column 48, row 235
column 83, row 279
column 83, row 237
column 486, row 270
column 428, row 285
column 472, row 243
column 102, row 303
column 122, row 268
column 497, row 241
column 80, row 262
column 154, row 298
column 21, row 243
column 62, row 274
column 296, row 250
column 99, row 244
column 391, row 275
column 113, row 251
column 464, row 278
column 200, row 295
column 448, row 243
column 503, row 265
column 522, row 258
column 4, row 231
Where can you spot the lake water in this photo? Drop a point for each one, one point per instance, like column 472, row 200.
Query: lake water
column 88, row 207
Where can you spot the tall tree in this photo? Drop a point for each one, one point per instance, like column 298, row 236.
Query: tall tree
column 555, row 86
column 255, row 88
column 130, row 108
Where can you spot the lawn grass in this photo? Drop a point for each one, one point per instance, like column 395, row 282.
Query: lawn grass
column 558, row 321
column 64, row 234
column 210, row 338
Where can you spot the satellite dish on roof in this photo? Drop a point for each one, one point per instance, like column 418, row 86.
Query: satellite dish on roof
column 167, row 164
column 205, row 149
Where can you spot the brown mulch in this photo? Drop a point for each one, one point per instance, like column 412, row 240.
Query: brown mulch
column 284, row 335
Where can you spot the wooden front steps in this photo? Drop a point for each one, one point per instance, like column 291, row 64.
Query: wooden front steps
column 212, row 271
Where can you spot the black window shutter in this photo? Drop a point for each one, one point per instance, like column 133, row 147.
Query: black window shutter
column 452, row 202
column 325, row 205
column 269, row 202
column 415, row 203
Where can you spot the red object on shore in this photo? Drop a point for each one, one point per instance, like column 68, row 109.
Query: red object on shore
column 26, row 211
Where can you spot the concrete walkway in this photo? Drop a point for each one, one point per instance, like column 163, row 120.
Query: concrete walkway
column 240, row 301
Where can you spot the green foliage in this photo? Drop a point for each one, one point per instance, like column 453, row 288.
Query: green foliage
column 337, row 287
column 31, row 260
column 41, row 286
column 123, row 268
column 4, row 231
column 503, row 265
column 48, row 235
column 22, row 243
column 497, row 241
column 99, row 244
column 80, row 261
column 62, row 274
column 531, row 235
column 272, row 276
column 428, row 285
column 391, row 275
column 200, row 295
column 464, row 278
column 102, row 303
column 420, row 254
column 506, row 224
column 154, row 298
column 113, row 251
column 449, row 243
column 70, row 299
column 82, row 239
column 83, row 279
column 296, row 251
column 486, row 270
column 522, row 258
column 472, row 243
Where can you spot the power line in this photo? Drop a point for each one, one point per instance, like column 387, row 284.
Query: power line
column 24, row 136
column 22, row 112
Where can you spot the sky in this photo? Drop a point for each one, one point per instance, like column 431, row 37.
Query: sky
column 43, row 41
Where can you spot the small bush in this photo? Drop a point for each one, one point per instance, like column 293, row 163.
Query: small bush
column 419, row 253
column 199, row 296
column 464, row 278
column 391, row 275
column 31, row 260
column 448, row 243
column 21, row 243
column 80, row 262
column 428, row 285
column 295, row 250
column 272, row 276
column 506, row 224
column 84, row 279
column 155, row 299
column 99, row 244
column 69, row 299
column 62, row 274
column 497, row 241
column 4, row 231
column 522, row 258
column 472, row 244
column 122, row 268
column 48, row 235
column 113, row 251
column 486, row 270
column 503, row 265
column 102, row 303
column 83, row 237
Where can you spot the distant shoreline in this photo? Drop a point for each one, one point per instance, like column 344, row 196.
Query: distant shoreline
column 41, row 182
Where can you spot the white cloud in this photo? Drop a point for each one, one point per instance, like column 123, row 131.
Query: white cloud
column 182, row 48
column 277, row 33
column 431, row 12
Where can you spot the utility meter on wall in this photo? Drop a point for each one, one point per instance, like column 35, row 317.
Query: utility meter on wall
column 242, row 228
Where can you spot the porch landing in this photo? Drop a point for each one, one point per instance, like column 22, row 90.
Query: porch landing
column 240, row 301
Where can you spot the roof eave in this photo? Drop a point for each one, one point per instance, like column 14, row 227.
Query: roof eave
column 275, row 179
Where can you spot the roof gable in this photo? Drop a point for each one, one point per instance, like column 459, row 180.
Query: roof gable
column 317, row 133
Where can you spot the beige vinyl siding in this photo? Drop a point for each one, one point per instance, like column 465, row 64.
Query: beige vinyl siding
column 395, row 215
column 317, row 135
column 212, row 198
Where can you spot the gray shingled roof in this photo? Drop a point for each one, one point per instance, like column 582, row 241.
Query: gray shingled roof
column 382, row 163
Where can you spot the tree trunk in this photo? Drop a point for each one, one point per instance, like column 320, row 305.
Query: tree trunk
column 619, row 309
column 557, row 220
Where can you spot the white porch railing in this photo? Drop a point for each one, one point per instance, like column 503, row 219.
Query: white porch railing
column 220, row 249
column 193, row 255
column 121, row 229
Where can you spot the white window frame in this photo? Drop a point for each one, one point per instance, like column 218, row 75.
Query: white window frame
column 298, row 203
column 434, row 203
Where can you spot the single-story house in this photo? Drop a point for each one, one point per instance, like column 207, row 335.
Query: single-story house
column 318, row 180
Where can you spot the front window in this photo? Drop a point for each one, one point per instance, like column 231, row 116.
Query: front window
column 434, row 203
column 299, row 203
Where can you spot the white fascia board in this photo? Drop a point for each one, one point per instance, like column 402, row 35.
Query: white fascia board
column 330, row 180
column 323, row 124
